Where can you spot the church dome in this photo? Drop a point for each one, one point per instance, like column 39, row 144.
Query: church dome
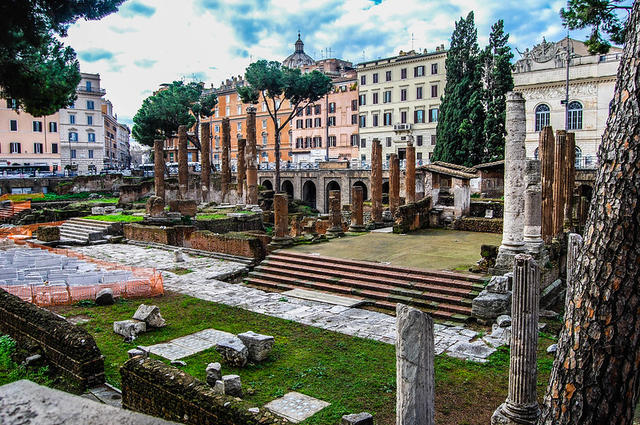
column 299, row 58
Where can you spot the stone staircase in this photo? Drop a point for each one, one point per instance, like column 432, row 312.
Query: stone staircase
column 445, row 295
column 83, row 231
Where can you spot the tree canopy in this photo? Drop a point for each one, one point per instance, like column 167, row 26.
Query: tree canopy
column 173, row 105
column 36, row 69
column 601, row 16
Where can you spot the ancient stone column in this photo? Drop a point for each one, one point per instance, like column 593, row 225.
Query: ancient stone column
column 533, row 209
column 376, row 181
column 158, row 167
column 559, row 175
column 410, row 174
column 241, row 168
column 415, row 351
column 569, row 180
column 183, row 165
column 281, row 236
column 521, row 406
column 225, row 177
column 394, row 183
column 574, row 246
column 252, row 168
column 546, row 155
column 514, row 183
column 357, row 220
column 335, row 214
column 205, row 174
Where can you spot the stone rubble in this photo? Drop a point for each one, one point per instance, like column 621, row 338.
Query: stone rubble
column 363, row 418
column 150, row 314
column 259, row 346
column 129, row 328
column 232, row 385
column 233, row 351
column 214, row 373
column 105, row 297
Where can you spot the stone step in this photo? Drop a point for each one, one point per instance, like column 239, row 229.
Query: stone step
column 432, row 292
column 95, row 223
column 81, row 228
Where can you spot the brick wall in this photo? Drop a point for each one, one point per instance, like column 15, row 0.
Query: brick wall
column 231, row 224
column 134, row 192
column 71, row 350
column 479, row 208
column 412, row 216
column 152, row 387
column 175, row 235
column 233, row 243
column 478, row 224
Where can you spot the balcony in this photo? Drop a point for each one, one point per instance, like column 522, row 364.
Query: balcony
column 586, row 163
column 91, row 90
column 402, row 127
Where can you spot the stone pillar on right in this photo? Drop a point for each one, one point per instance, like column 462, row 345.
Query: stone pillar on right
column 158, row 167
column 225, row 177
column 335, row 214
column 241, row 168
column 376, row 182
column 533, row 209
column 521, row 406
column 205, row 173
column 394, row 183
column 183, row 164
column 281, row 236
column 357, row 219
column 410, row 174
column 252, row 167
column 514, row 184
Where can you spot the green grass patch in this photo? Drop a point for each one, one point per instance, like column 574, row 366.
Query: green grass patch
column 84, row 196
column 10, row 371
column 180, row 271
column 115, row 218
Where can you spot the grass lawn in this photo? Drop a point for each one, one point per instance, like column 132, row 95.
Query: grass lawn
column 115, row 218
column 353, row 374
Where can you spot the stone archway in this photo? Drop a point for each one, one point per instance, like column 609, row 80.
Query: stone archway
column 267, row 184
column 309, row 193
column 287, row 187
column 365, row 194
column 332, row 185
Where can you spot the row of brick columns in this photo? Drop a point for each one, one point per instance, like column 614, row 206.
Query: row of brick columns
column 394, row 183
column 183, row 165
column 241, row 167
column 225, row 177
column 376, row 181
column 205, row 142
column 357, row 216
column 251, row 153
column 410, row 177
column 158, row 167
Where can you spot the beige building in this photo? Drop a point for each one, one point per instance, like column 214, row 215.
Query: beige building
column 398, row 101
column 540, row 75
column 28, row 143
column 123, row 136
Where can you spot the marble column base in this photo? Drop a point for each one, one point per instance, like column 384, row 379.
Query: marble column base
column 505, row 259
column 357, row 228
column 511, row 415
column 335, row 231
column 277, row 242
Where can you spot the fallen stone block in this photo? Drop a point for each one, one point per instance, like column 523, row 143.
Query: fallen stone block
column 233, row 351
column 178, row 256
column 134, row 352
column 487, row 306
column 232, row 385
column 129, row 328
column 105, row 297
column 504, row 320
column 48, row 233
column 363, row 418
column 218, row 387
column 150, row 314
column 259, row 346
column 214, row 373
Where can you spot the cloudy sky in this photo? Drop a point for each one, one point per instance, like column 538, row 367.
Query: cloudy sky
column 148, row 42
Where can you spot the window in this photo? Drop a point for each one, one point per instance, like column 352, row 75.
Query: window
column 308, row 123
column 403, row 73
column 189, row 156
column 15, row 147
column 299, row 112
column 354, row 105
column 91, row 137
column 316, row 109
column 419, row 140
column 418, row 116
column 72, row 119
column 375, row 120
column 90, row 104
column 418, row 92
column 73, row 136
column 264, row 139
column 12, row 104
column 264, row 106
column 403, row 95
column 387, row 118
column 387, row 76
column 227, row 98
column 227, row 111
column 38, row 148
column 433, row 115
column 89, row 120
column 217, row 142
column 362, row 99
column 317, row 142
column 434, row 68
column 299, row 123
column 13, row 124
column 419, row 156
column 37, row 126
column 264, row 123
column 363, row 80
column 363, row 121
column 332, row 108
column 53, row 127
column 216, row 128
column 388, row 142
column 354, row 119
column 88, row 85
column 375, row 98
column 331, row 121
column 90, row 153
column 575, row 116
column 298, row 142
column 308, row 110
column 73, row 153
column 434, row 90
column 386, row 96
column 317, row 122
column 239, row 109
column 418, row 71
column 332, row 141
column 542, row 116
column 54, row 148
column 403, row 117
column 363, row 143
column 239, row 127
column 354, row 140
column 217, row 112
column 375, row 78
column 433, row 139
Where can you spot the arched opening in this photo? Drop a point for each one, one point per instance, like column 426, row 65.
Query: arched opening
column 332, row 185
column 385, row 192
column 267, row 184
column 309, row 193
column 575, row 115
column 364, row 189
column 543, row 116
column 287, row 187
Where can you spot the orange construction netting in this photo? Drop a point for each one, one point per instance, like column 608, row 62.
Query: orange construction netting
column 146, row 282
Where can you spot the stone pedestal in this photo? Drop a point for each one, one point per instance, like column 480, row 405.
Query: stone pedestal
column 514, row 183
column 533, row 209
column 241, row 167
column 183, row 165
column 376, row 182
column 559, row 182
column 357, row 220
column 410, row 174
column 335, row 214
column 158, row 167
column 415, row 350
column 252, row 167
column 546, row 155
column 205, row 175
column 225, row 177
column 521, row 406
column 394, row 183
column 281, row 236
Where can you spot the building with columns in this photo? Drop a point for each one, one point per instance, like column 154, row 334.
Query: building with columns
column 540, row 75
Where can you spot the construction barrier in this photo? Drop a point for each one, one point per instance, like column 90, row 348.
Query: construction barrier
column 14, row 208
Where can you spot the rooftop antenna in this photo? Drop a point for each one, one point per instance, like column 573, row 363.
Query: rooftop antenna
column 411, row 41
column 363, row 59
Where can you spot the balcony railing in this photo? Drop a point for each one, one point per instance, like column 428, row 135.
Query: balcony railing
column 91, row 90
column 586, row 163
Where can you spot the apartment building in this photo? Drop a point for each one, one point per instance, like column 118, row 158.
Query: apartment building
column 123, row 137
column 398, row 101
column 27, row 142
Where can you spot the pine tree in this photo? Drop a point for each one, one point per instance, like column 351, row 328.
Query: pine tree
column 497, row 81
column 460, row 130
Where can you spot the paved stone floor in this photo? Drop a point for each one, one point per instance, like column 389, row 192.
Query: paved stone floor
column 296, row 407
column 190, row 344
column 455, row 341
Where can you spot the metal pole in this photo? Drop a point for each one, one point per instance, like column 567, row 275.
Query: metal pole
column 566, row 98
column 326, row 122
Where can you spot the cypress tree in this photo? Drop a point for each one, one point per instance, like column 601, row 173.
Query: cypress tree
column 460, row 129
column 498, row 81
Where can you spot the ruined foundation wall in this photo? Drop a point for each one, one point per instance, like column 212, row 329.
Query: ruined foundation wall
column 232, row 243
column 413, row 216
column 479, row 224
